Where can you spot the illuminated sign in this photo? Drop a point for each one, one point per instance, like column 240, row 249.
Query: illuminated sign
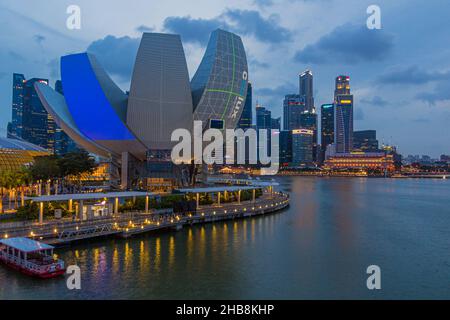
column 303, row 131
column 345, row 101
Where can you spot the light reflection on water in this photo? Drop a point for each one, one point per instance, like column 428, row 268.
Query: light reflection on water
column 318, row 248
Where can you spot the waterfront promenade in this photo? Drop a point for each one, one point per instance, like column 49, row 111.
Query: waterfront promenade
column 64, row 231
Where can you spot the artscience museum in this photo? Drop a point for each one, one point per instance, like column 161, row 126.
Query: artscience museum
column 134, row 130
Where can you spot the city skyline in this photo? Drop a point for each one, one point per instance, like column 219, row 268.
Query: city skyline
column 399, row 89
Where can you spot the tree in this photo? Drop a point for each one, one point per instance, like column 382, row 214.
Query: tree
column 76, row 163
column 45, row 168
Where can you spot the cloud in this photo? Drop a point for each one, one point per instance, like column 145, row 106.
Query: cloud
column 193, row 30
column 440, row 93
column 375, row 101
column 411, row 75
column 348, row 44
column 251, row 22
column 39, row 38
column 244, row 22
column 116, row 55
column 143, row 28
column 278, row 92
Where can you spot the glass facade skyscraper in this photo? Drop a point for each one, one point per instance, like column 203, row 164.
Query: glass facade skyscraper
column 302, row 147
column 285, row 147
column 30, row 120
column 306, row 89
column 15, row 128
column 343, row 124
column 327, row 126
column 293, row 107
column 263, row 118
column 342, row 85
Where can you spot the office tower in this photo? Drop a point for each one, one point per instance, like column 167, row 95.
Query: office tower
column 306, row 89
column 263, row 118
column 30, row 121
column 293, row 106
column 285, row 147
column 342, row 85
column 327, row 126
column 308, row 120
column 343, row 124
column 302, row 146
column 276, row 123
column 365, row 140
column 245, row 122
column 15, row 128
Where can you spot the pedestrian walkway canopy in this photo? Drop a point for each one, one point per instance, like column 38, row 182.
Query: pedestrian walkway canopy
column 91, row 196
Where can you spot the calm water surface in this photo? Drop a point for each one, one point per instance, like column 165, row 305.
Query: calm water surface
column 319, row 248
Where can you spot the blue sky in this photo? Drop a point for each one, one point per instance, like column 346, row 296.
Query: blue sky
column 400, row 75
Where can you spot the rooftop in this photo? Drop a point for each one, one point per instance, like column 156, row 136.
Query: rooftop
column 91, row 196
column 25, row 244
column 16, row 144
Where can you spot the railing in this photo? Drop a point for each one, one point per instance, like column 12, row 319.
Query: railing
column 160, row 218
column 58, row 264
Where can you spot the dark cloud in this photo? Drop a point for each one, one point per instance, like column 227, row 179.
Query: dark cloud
column 439, row 94
column 348, row 44
column 277, row 92
column 375, row 101
column 411, row 75
column 193, row 30
column 15, row 56
column 252, row 23
column 244, row 22
column 144, row 28
column 116, row 55
column 255, row 63
column 39, row 38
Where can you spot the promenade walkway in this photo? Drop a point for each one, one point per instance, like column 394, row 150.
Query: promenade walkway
column 132, row 223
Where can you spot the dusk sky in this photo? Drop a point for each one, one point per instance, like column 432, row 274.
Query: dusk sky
column 400, row 75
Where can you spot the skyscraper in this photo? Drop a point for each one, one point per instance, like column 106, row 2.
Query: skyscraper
column 343, row 123
column 245, row 122
column 15, row 128
column 30, row 120
column 293, row 107
column 306, row 89
column 276, row 123
column 302, row 146
column 308, row 120
column 343, row 115
column 263, row 118
column 327, row 127
column 285, row 147
column 342, row 85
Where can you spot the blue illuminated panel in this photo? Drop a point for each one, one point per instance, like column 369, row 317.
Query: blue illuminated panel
column 92, row 112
